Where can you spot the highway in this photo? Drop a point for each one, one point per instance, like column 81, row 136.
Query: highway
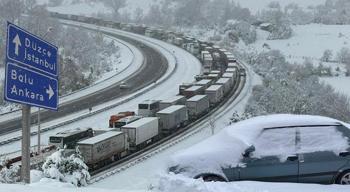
column 154, row 67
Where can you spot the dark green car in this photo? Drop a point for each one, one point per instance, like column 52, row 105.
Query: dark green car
column 305, row 153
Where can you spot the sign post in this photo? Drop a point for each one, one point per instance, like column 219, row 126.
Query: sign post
column 31, row 79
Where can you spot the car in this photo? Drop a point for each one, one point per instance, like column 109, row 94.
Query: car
column 123, row 85
column 273, row 148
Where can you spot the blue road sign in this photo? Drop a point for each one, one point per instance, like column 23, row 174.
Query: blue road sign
column 31, row 51
column 23, row 85
column 31, row 69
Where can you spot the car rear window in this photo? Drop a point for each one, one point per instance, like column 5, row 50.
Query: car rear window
column 276, row 142
column 322, row 138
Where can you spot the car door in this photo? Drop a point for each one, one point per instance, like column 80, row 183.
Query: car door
column 274, row 158
column 323, row 153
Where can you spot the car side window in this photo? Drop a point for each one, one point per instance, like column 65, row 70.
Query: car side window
column 321, row 138
column 280, row 142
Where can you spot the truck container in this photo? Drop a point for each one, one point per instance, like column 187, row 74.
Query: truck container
column 192, row 91
column 126, row 120
column 172, row 118
column 197, row 105
column 100, row 131
column 203, row 53
column 148, row 108
column 226, row 83
column 205, row 83
column 120, row 115
column 231, row 76
column 183, row 87
column 231, row 70
column 175, row 100
column 141, row 132
column 208, row 61
column 213, row 77
column 105, row 147
column 232, row 65
column 215, row 72
column 215, row 93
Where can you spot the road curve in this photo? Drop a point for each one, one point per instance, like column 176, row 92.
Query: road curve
column 154, row 67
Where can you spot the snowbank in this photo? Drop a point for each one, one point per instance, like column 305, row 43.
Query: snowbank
column 45, row 185
column 177, row 183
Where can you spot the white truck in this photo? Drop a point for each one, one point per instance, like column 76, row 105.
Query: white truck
column 172, row 118
column 197, row 105
column 226, row 83
column 215, row 93
column 175, row 100
column 104, row 148
column 141, row 132
column 204, row 83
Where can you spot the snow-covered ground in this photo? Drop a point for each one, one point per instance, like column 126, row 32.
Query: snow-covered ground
column 309, row 42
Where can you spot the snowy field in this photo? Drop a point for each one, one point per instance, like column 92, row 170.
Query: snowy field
column 309, row 42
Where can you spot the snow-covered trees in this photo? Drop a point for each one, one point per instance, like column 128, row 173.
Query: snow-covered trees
column 240, row 30
column 281, row 28
column 70, row 169
column 327, row 55
column 115, row 5
column 8, row 174
column 293, row 89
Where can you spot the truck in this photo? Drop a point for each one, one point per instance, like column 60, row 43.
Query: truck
column 192, row 91
column 204, row 83
column 126, row 120
column 226, row 83
column 214, row 77
column 104, row 148
column 183, row 87
column 172, row 118
column 175, row 100
column 141, row 132
column 231, row 70
column 232, row 65
column 120, row 115
column 215, row 93
column 231, row 76
column 197, row 105
column 148, row 108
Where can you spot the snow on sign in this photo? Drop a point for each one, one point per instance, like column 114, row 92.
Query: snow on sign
column 31, row 70
column 29, row 50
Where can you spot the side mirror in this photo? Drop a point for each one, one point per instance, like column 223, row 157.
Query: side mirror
column 248, row 151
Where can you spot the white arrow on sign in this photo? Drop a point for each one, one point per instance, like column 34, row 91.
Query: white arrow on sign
column 17, row 43
column 50, row 92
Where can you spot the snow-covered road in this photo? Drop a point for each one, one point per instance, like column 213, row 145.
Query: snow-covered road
column 182, row 68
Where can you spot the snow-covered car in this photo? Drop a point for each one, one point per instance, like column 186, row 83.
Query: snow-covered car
column 281, row 148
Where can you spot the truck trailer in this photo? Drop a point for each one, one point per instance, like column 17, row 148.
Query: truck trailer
column 215, row 93
column 172, row 118
column 104, row 148
column 197, row 106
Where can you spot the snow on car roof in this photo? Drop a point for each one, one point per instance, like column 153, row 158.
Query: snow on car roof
column 226, row 147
